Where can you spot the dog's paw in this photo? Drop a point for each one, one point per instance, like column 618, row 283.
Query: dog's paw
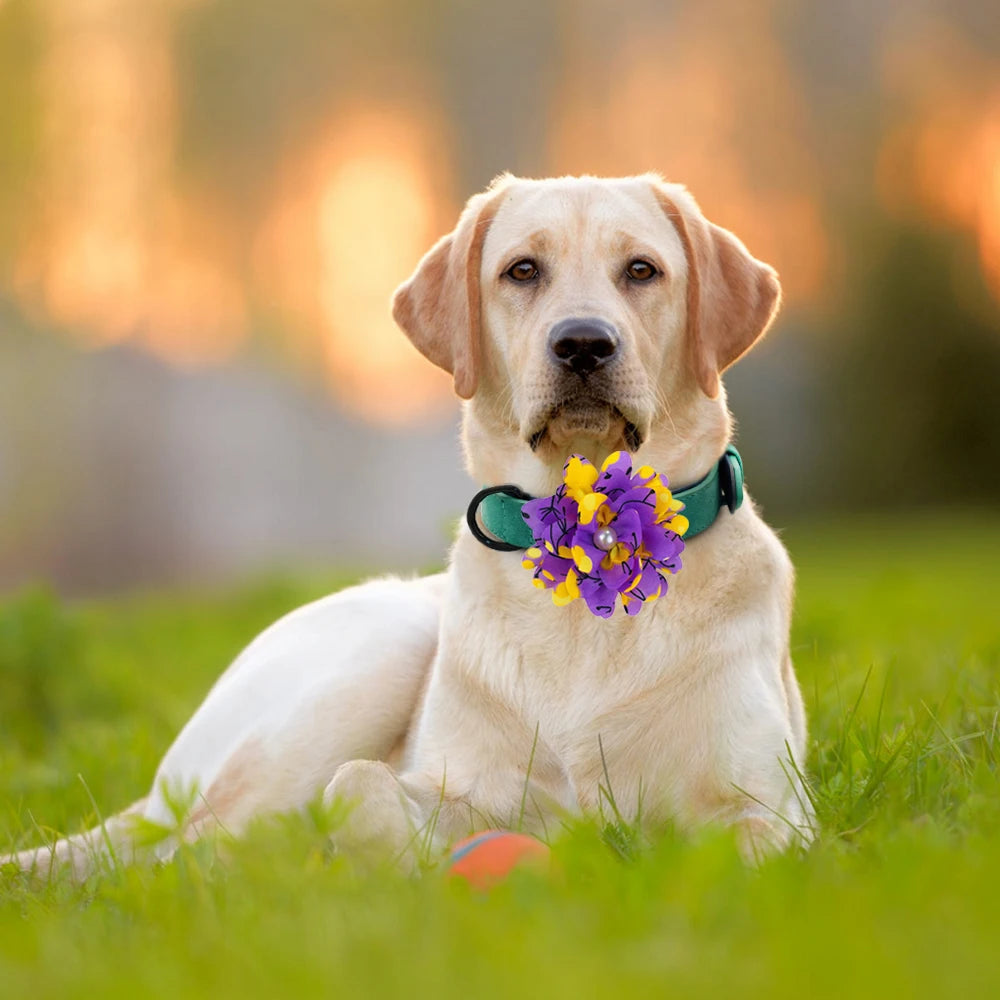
column 380, row 826
column 760, row 837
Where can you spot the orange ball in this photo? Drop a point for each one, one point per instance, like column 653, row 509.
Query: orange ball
column 490, row 856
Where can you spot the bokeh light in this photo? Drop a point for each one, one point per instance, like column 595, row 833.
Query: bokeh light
column 205, row 206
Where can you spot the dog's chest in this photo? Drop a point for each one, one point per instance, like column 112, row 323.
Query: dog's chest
column 562, row 668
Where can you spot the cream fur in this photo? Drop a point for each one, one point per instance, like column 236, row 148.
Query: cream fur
column 688, row 712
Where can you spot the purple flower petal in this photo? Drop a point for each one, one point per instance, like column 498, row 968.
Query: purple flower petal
column 586, row 554
column 662, row 544
column 615, row 477
column 640, row 499
column 637, row 567
column 650, row 585
column 628, row 527
column 632, row 605
column 617, row 577
column 672, row 561
column 600, row 600
column 551, row 519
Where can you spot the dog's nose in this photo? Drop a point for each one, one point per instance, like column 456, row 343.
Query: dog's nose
column 583, row 345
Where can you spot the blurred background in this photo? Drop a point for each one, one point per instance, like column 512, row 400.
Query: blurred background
column 206, row 204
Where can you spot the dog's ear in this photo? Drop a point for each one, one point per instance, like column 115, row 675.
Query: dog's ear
column 439, row 307
column 731, row 296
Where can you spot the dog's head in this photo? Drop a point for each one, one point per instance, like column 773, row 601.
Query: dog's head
column 586, row 315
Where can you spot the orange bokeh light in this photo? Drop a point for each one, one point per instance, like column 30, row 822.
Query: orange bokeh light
column 120, row 254
column 353, row 214
column 944, row 159
column 681, row 109
column 124, row 249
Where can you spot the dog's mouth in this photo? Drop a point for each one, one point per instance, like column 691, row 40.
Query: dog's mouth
column 594, row 420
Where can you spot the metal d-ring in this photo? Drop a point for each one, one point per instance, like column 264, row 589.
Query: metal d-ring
column 729, row 485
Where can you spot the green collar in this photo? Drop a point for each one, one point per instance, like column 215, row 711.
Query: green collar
column 499, row 507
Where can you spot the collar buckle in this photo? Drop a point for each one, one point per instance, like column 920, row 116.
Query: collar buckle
column 731, row 479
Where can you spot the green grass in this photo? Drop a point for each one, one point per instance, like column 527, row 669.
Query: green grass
column 897, row 645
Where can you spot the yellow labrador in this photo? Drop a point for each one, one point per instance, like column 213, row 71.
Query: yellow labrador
column 577, row 315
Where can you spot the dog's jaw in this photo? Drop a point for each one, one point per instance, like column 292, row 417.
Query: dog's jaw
column 596, row 428
column 533, row 454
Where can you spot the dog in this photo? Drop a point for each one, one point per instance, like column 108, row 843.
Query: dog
column 577, row 316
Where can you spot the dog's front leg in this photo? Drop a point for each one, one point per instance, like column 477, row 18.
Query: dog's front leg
column 383, row 821
column 474, row 764
column 394, row 817
column 759, row 740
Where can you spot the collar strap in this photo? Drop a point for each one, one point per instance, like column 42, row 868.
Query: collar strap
column 499, row 507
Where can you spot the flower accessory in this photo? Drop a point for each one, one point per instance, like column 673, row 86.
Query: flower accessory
column 605, row 534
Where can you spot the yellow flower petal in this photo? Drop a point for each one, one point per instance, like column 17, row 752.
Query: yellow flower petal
column 579, row 478
column 665, row 504
column 589, row 505
column 533, row 552
column 583, row 562
column 679, row 523
column 566, row 591
column 610, row 460
column 618, row 554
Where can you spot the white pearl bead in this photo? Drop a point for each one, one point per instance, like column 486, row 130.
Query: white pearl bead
column 605, row 539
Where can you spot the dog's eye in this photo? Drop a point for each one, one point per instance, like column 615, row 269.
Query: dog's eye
column 640, row 270
column 523, row 270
